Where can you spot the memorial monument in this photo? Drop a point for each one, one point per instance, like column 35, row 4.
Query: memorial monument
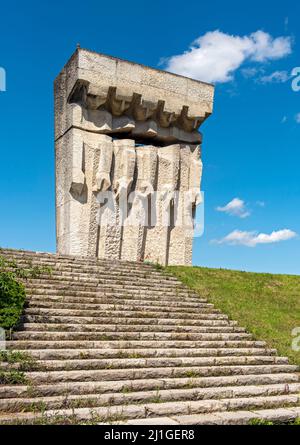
column 128, row 159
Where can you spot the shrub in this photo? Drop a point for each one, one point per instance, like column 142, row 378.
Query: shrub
column 12, row 290
column 12, row 299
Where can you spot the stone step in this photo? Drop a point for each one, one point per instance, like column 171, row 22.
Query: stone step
column 126, row 328
column 121, row 344
column 132, row 280
column 157, row 362
column 144, row 373
column 48, row 269
column 118, row 298
column 203, row 315
column 120, row 306
column 149, row 384
column 114, row 341
column 60, row 263
column 123, row 292
column 111, row 279
column 35, row 298
column 154, row 396
column 53, row 258
column 112, row 273
column 88, row 263
column 85, row 279
column 44, row 318
column 82, row 290
column 277, row 416
column 118, row 270
column 103, row 286
column 92, row 282
column 163, row 298
column 142, row 410
column 73, row 354
column 99, row 336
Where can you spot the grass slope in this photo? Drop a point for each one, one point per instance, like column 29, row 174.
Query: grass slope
column 267, row 305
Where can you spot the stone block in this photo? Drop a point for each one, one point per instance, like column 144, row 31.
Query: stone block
column 128, row 163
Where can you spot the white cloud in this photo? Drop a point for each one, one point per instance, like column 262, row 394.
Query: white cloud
column 260, row 203
column 297, row 118
column 252, row 239
column 235, row 207
column 276, row 77
column 215, row 56
column 249, row 72
column 284, row 119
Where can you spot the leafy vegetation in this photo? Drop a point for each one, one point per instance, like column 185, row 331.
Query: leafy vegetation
column 267, row 305
column 12, row 290
column 156, row 265
column 12, row 296
column 17, row 360
column 14, row 357
column 262, row 422
column 12, row 377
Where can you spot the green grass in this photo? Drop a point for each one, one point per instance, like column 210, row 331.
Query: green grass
column 12, row 378
column 14, row 357
column 262, row 422
column 267, row 305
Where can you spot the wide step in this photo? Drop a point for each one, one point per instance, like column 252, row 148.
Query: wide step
column 128, row 386
column 118, row 413
column 157, row 396
column 280, row 416
column 121, row 342
column 144, row 373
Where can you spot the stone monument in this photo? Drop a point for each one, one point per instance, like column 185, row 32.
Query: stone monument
column 128, row 159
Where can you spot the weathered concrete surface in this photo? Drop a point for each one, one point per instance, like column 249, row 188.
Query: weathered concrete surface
column 129, row 132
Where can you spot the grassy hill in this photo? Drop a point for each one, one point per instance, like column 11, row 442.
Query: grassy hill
column 267, row 305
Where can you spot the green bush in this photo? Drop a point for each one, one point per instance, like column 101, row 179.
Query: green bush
column 12, row 290
column 12, row 299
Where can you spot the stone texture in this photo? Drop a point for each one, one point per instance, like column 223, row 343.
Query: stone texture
column 128, row 167
column 120, row 342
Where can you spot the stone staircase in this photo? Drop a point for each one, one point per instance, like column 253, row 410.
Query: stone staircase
column 122, row 343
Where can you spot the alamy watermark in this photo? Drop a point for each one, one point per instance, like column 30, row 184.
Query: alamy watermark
column 2, row 340
column 296, row 79
column 165, row 208
column 2, row 79
column 296, row 339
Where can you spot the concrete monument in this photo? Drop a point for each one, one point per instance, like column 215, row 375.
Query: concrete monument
column 128, row 160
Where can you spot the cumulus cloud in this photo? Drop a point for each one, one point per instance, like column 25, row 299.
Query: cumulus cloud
column 276, row 77
column 215, row 56
column 236, row 207
column 297, row 118
column 252, row 239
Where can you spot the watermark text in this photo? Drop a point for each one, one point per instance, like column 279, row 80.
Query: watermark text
column 2, row 79
column 296, row 79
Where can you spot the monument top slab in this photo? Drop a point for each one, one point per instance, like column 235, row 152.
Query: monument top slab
column 99, row 72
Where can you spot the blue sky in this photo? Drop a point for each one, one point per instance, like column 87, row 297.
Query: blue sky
column 251, row 143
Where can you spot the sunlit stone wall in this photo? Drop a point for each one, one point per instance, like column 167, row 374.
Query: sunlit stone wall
column 128, row 159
